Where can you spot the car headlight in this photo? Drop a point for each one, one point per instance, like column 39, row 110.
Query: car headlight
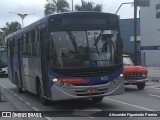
column 144, row 75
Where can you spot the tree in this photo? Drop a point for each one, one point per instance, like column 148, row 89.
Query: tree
column 2, row 38
column 8, row 29
column 57, row 6
column 11, row 27
column 88, row 6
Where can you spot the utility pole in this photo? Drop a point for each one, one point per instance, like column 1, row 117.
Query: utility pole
column 135, row 32
column 72, row 5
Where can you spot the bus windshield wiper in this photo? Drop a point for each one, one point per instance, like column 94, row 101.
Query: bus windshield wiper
column 97, row 40
column 72, row 38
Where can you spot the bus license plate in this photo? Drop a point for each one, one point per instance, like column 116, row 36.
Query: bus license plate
column 91, row 91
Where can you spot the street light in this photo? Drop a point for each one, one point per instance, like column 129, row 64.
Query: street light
column 22, row 16
column 123, row 4
column 135, row 28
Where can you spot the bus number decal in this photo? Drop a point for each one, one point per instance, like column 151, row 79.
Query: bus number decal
column 104, row 78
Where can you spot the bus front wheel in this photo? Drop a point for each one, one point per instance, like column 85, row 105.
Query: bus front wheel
column 44, row 101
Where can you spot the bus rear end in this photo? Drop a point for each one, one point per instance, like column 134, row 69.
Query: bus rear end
column 3, row 61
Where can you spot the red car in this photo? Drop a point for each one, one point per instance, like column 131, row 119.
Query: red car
column 134, row 75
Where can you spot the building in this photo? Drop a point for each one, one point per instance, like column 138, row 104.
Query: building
column 150, row 33
column 127, row 35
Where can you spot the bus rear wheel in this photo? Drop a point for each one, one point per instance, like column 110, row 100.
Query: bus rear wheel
column 43, row 100
column 97, row 99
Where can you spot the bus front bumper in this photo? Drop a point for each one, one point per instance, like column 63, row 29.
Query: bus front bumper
column 66, row 92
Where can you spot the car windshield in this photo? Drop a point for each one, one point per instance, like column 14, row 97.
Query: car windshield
column 84, row 49
column 127, row 61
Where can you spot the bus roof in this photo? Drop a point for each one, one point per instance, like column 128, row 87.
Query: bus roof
column 43, row 21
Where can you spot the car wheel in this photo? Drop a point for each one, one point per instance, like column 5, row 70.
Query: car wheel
column 140, row 86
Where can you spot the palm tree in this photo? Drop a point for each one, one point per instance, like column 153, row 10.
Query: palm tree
column 57, row 6
column 11, row 27
column 88, row 6
column 8, row 29
column 2, row 38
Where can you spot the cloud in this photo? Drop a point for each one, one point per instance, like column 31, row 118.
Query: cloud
column 37, row 6
column 21, row 6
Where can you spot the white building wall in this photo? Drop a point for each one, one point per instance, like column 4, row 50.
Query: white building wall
column 150, row 36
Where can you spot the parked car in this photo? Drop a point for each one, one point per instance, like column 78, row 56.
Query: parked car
column 134, row 75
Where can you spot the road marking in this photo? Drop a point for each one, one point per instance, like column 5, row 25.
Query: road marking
column 27, row 103
column 91, row 117
column 129, row 104
column 20, row 98
column 154, row 86
column 35, row 109
column 15, row 95
column 154, row 95
column 48, row 118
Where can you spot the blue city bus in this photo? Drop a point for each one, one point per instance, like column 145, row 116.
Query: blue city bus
column 68, row 56
column 3, row 61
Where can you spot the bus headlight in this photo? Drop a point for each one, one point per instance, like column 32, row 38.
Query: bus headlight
column 55, row 80
column 121, row 75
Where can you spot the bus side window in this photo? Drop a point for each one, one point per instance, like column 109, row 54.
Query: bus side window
column 33, row 43
column 21, row 46
column 15, row 47
column 8, row 46
column 24, row 45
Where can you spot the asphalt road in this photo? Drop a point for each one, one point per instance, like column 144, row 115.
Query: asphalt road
column 133, row 100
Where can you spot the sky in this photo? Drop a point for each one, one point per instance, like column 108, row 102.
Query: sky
column 37, row 7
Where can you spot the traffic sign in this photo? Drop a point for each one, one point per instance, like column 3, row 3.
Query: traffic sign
column 150, row 47
column 142, row 3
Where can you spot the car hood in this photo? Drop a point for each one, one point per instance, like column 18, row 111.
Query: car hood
column 132, row 68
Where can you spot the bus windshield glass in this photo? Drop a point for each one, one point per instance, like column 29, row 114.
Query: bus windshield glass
column 84, row 49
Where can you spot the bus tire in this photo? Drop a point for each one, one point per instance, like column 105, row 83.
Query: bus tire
column 43, row 100
column 97, row 99
column 140, row 86
column 19, row 89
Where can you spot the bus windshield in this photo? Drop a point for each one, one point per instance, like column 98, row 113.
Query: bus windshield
column 3, row 59
column 83, row 49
